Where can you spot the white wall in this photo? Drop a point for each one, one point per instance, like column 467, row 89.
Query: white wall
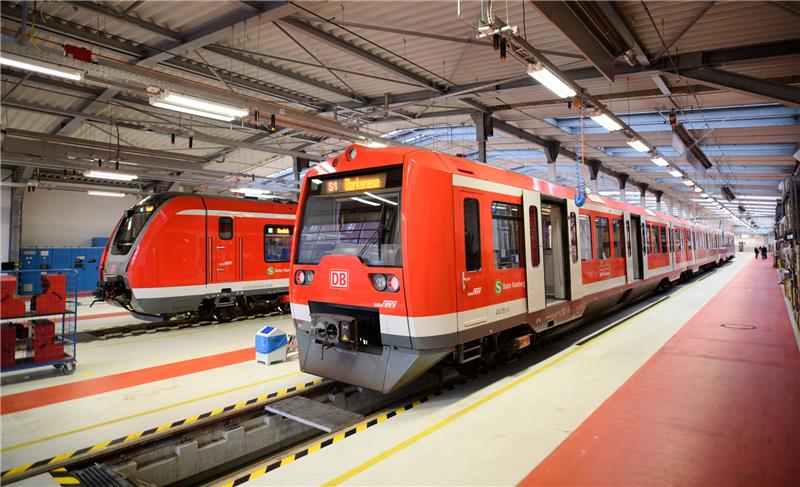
column 751, row 241
column 69, row 218
column 5, row 222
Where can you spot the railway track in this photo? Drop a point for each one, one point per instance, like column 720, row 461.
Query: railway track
column 145, row 327
column 239, row 442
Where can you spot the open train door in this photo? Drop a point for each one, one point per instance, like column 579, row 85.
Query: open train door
column 629, row 264
column 574, row 263
column 534, row 267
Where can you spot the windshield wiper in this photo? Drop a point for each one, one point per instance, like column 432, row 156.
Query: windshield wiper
column 377, row 237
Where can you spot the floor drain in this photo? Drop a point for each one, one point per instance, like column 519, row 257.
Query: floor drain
column 737, row 326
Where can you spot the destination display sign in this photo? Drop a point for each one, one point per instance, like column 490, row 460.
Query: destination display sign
column 354, row 183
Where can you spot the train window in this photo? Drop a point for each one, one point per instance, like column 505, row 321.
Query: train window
column 507, row 235
column 663, row 239
column 617, row 228
column 648, row 236
column 671, row 240
column 628, row 233
column 586, row 238
column 689, row 238
column 602, row 238
column 655, row 243
column 277, row 243
column 225, row 228
column 573, row 237
column 472, row 234
column 533, row 216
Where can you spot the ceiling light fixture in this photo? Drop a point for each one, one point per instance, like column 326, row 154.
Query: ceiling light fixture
column 688, row 182
column 191, row 111
column 205, row 105
column 638, row 145
column 605, row 121
column 698, row 189
column 659, row 161
column 113, row 194
column 49, row 69
column 115, row 176
column 550, row 81
column 674, row 172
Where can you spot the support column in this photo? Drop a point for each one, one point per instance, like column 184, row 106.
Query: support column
column 20, row 175
column 483, row 130
column 622, row 179
column 551, row 153
column 642, row 193
column 658, row 194
column 671, row 206
column 594, row 170
column 298, row 164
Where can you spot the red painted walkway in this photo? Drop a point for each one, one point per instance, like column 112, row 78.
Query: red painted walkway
column 716, row 406
column 75, row 390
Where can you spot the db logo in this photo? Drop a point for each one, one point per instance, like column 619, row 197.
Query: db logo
column 339, row 279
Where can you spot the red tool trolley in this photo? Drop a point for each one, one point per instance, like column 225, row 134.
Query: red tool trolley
column 40, row 331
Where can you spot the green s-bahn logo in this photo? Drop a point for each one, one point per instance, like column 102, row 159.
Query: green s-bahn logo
column 498, row 286
column 270, row 271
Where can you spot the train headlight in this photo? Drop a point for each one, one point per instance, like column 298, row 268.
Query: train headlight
column 393, row 283
column 309, row 277
column 300, row 278
column 379, row 281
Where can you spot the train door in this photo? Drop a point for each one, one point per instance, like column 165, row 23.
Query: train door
column 574, row 267
column 472, row 265
column 626, row 246
column 553, row 244
column 534, row 268
column 637, row 260
column 224, row 250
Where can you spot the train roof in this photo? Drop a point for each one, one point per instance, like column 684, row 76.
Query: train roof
column 457, row 165
column 161, row 198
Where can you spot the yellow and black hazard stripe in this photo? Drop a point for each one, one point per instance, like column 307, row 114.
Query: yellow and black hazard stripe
column 164, row 427
column 285, row 460
column 63, row 477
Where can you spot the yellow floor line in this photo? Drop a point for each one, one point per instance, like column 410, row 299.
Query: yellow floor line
column 428, row 431
column 144, row 413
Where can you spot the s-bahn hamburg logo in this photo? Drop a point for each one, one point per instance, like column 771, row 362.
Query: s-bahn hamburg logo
column 270, row 271
column 498, row 286
column 339, row 279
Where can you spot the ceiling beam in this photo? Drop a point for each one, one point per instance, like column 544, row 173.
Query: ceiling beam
column 579, row 32
column 727, row 80
column 685, row 29
column 353, row 50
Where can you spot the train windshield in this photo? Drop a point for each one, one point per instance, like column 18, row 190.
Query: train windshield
column 355, row 214
column 132, row 224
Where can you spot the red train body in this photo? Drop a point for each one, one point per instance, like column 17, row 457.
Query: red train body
column 404, row 257
column 176, row 253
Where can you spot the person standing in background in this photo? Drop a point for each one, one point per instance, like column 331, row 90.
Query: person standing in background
column 758, row 251
column 764, row 253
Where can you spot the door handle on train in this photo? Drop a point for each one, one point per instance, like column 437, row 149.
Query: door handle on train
column 220, row 247
column 464, row 280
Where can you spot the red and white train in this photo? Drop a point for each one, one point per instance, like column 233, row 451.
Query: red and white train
column 405, row 257
column 175, row 253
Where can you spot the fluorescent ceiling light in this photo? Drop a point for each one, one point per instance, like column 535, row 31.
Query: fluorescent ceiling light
column 674, row 172
column 607, row 122
column 698, row 189
column 205, row 105
column 705, row 195
column 39, row 67
column 766, row 198
column 550, row 81
column 116, row 176
column 638, row 145
column 362, row 200
column 191, row 111
column 688, row 182
column 113, row 194
column 250, row 191
column 659, row 161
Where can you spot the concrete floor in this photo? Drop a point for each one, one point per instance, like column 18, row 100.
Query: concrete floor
column 491, row 431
